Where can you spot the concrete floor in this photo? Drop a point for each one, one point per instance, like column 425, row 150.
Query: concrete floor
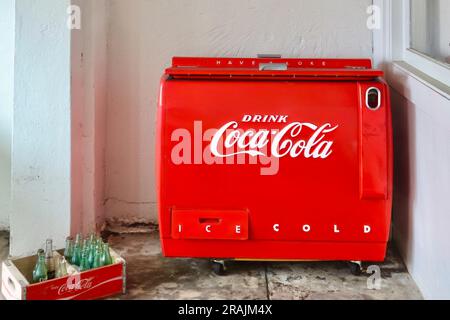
column 150, row 276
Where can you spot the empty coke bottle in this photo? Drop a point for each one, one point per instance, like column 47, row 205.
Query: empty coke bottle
column 40, row 269
column 91, row 254
column 97, row 258
column 49, row 259
column 68, row 251
column 61, row 268
column 84, row 264
column 106, row 258
column 77, row 251
column 91, row 238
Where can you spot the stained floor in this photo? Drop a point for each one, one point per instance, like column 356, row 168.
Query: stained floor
column 150, row 276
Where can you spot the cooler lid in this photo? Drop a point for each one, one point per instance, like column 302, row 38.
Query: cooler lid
column 272, row 68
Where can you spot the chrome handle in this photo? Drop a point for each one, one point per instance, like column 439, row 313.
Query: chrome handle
column 273, row 67
column 373, row 98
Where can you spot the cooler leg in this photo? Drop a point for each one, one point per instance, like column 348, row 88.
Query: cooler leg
column 219, row 267
column 355, row 267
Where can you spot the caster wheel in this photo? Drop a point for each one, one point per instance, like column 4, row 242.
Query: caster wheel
column 355, row 268
column 219, row 268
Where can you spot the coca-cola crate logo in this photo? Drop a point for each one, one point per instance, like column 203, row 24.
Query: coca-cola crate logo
column 76, row 287
column 230, row 144
column 74, row 284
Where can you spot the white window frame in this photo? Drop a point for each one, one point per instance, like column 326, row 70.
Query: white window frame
column 392, row 42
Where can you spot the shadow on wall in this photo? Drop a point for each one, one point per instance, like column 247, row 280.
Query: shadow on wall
column 421, row 220
column 404, row 119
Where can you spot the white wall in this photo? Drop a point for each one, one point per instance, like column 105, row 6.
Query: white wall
column 41, row 126
column 7, row 25
column 143, row 37
column 88, row 94
column 421, row 210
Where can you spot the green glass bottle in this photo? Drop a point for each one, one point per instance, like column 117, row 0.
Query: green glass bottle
column 91, row 254
column 106, row 258
column 61, row 268
column 97, row 258
column 40, row 270
column 102, row 254
column 68, row 251
column 50, row 259
column 77, row 251
column 84, row 264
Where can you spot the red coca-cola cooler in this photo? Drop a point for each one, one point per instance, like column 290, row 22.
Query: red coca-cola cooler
column 274, row 159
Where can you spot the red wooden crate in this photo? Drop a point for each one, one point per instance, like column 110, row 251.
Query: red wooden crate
column 89, row 285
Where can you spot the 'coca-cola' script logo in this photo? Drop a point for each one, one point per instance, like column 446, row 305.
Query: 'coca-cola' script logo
column 231, row 144
column 282, row 143
column 74, row 284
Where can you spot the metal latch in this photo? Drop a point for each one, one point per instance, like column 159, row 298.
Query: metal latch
column 273, row 67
